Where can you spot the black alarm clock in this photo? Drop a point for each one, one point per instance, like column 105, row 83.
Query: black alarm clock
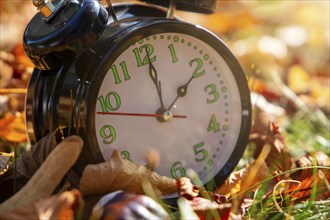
column 130, row 77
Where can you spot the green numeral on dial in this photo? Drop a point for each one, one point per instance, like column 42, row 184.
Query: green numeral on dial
column 176, row 168
column 108, row 133
column 115, row 72
column 201, row 152
column 213, row 92
column 214, row 125
column 125, row 155
column 137, row 51
column 197, row 72
column 173, row 55
column 107, row 104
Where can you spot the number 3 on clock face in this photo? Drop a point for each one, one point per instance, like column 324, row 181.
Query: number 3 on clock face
column 187, row 104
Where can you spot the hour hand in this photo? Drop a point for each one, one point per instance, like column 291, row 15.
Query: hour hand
column 181, row 91
column 154, row 77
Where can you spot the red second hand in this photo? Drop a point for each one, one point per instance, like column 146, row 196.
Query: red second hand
column 138, row 114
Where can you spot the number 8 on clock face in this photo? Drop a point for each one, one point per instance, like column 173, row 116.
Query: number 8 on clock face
column 176, row 90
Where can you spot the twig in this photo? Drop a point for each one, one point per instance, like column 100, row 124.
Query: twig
column 274, row 196
column 13, row 91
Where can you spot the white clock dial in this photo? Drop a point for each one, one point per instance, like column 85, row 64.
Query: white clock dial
column 196, row 130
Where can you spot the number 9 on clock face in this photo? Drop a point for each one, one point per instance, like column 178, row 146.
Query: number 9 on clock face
column 179, row 91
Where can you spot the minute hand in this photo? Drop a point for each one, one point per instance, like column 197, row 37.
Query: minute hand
column 153, row 76
column 181, row 91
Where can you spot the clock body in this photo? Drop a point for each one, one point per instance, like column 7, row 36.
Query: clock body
column 123, row 93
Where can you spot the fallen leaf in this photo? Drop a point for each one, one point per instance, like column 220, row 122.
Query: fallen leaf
column 207, row 209
column 5, row 161
column 307, row 180
column 48, row 176
column 304, row 188
column 26, row 165
column 61, row 206
column 265, row 131
column 298, row 79
column 13, row 129
column 235, row 183
column 119, row 174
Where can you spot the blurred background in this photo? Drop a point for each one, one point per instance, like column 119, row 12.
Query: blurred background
column 283, row 47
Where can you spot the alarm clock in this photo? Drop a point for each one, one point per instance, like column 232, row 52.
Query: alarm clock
column 130, row 78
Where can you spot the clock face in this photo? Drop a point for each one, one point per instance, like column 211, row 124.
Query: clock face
column 175, row 93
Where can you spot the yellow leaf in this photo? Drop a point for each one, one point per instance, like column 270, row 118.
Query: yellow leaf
column 298, row 79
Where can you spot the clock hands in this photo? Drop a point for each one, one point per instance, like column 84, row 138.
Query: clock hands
column 153, row 75
column 181, row 91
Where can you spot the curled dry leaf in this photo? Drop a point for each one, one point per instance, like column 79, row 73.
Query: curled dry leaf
column 119, row 174
column 60, row 206
column 189, row 191
column 186, row 188
column 25, row 166
column 48, row 176
column 265, row 132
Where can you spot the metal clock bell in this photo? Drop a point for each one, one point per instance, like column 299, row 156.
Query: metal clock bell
column 132, row 77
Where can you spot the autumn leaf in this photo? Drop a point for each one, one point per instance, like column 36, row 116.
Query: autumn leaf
column 119, row 174
column 5, row 161
column 311, row 177
column 265, row 131
column 298, row 79
column 207, row 209
column 48, row 176
column 302, row 189
column 13, row 129
column 60, row 206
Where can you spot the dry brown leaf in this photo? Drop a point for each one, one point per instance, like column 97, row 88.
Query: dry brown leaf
column 207, row 209
column 303, row 189
column 320, row 158
column 61, row 206
column 119, row 174
column 48, row 176
column 265, row 132
column 236, row 182
column 25, row 166
column 13, row 128
column 5, row 161
column 306, row 180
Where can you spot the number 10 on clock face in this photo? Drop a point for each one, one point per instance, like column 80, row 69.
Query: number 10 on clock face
column 175, row 93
